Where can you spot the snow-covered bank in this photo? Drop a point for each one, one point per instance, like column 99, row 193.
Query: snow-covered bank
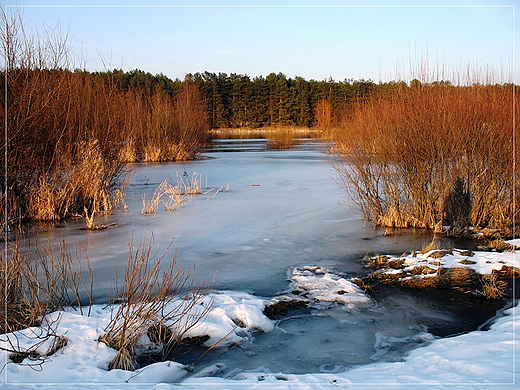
column 477, row 360
column 480, row 359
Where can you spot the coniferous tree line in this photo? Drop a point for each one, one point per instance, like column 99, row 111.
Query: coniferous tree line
column 237, row 100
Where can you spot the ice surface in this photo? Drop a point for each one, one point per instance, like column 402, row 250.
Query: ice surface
column 246, row 238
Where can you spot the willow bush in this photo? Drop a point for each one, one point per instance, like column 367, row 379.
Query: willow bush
column 432, row 155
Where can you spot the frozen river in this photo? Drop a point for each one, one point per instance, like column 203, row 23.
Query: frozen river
column 283, row 211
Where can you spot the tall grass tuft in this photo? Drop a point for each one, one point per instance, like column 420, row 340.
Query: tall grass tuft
column 41, row 279
column 283, row 137
column 433, row 154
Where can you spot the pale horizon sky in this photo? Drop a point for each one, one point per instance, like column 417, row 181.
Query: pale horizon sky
column 338, row 39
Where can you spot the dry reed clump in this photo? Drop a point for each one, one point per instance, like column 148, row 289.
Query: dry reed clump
column 420, row 283
column 87, row 182
column 464, row 277
column 170, row 196
column 378, row 261
column 491, row 287
column 383, row 277
column 394, row 272
column 509, row 272
column 424, row 277
column 432, row 154
column 500, row 246
column 173, row 196
column 438, row 245
column 152, row 153
column 283, row 137
column 422, row 270
column 152, row 306
column 381, row 261
column 187, row 185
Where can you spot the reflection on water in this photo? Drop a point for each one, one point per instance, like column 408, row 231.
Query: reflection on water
column 283, row 210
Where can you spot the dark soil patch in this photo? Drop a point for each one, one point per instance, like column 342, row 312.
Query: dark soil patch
column 280, row 309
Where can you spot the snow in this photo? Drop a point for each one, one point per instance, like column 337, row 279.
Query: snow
column 484, row 359
column 482, row 262
column 323, row 286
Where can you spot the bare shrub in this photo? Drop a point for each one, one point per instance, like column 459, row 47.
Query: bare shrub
column 324, row 117
column 70, row 133
column 152, row 307
column 35, row 345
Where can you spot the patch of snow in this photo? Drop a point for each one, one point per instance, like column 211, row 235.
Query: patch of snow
column 321, row 285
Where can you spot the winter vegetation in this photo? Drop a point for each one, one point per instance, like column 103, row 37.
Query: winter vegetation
column 78, row 348
column 434, row 155
column 151, row 297
column 70, row 132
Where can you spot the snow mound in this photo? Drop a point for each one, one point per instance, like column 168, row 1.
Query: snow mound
column 233, row 316
column 482, row 262
column 323, row 286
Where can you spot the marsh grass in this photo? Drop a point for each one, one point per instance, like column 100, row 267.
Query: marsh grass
column 424, row 277
column 500, row 246
column 70, row 133
column 153, row 303
column 166, row 194
column 171, row 196
column 187, row 185
column 491, row 287
column 41, row 279
column 283, row 137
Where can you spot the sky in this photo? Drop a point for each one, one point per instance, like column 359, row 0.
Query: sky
column 338, row 39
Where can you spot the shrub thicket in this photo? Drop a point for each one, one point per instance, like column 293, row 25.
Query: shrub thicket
column 433, row 154
column 69, row 133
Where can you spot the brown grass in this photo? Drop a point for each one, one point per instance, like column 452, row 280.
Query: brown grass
column 283, row 137
column 41, row 279
column 491, row 287
column 462, row 278
column 173, row 196
column 500, row 246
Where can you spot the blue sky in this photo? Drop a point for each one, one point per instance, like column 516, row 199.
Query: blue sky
column 340, row 39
